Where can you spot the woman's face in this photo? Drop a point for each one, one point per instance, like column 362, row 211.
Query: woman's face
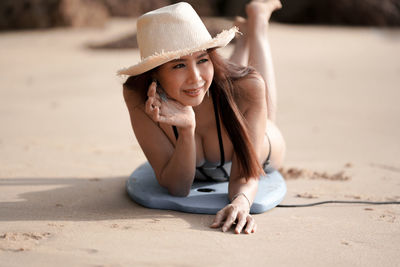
column 188, row 78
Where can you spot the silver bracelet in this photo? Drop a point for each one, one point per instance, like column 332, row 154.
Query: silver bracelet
column 241, row 193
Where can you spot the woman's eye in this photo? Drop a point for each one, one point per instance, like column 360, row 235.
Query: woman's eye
column 178, row 66
column 203, row 60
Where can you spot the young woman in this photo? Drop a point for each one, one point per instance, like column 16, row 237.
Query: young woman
column 199, row 116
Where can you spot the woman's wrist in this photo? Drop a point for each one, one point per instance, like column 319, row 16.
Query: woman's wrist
column 242, row 198
column 187, row 131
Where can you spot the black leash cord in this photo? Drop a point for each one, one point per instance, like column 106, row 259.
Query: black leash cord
column 337, row 202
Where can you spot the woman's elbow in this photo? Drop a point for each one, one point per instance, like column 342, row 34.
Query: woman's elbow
column 179, row 192
column 176, row 190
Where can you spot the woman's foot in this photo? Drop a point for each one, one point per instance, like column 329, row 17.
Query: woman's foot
column 264, row 9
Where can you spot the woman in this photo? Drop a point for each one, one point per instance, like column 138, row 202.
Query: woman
column 199, row 116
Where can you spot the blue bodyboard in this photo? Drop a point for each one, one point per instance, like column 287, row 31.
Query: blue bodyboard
column 204, row 197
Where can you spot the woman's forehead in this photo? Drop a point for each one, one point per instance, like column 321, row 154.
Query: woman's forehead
column 194, row 55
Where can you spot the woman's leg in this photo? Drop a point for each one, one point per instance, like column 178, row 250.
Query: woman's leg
column 258, row 15
column 252, row 48
column 240, row 54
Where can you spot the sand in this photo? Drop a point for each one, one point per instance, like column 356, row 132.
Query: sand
column 66, row 150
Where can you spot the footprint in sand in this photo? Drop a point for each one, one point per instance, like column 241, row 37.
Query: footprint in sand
column 388, row 216
column 295, row 173
column 17, row 242
column 306, row 195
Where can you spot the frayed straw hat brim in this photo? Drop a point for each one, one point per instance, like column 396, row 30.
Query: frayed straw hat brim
column 153, row 61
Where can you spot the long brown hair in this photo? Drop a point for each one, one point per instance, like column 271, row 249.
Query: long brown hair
column 223, row 86
column 223, row 89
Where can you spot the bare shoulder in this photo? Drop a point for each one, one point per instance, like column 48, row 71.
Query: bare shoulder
column 133, row 99
column 250, row 90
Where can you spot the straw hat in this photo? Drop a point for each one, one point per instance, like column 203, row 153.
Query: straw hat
column 171, row 32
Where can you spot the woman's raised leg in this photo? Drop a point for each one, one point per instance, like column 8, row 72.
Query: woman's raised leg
column 258, row 15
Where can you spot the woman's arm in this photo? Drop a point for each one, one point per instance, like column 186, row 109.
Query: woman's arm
column 242, row 190
column 174, row 166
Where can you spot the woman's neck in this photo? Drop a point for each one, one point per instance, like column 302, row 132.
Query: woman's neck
column 204, row 110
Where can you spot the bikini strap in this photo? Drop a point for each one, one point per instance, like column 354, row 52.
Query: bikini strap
column 270, row 148
column 175, row 132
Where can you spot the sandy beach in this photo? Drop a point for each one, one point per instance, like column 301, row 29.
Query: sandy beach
column 67, row 149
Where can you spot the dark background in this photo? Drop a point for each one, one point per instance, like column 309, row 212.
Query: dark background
column 28, row 14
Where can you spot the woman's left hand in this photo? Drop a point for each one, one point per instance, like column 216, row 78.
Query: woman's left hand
column 237, row 211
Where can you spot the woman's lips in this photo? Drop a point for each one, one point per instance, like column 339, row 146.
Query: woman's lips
column 193, row 92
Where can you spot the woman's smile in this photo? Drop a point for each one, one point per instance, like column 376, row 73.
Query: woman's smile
column 194, row 90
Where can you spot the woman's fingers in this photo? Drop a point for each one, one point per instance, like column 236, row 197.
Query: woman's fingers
column 156, row 114
column 245, row 219
column 149, row 106
column 251, row 225
column 254, row 228
column 156, row 102
column 152, row 90
column 241, row 222
column 219, row 218
column 230, row 218
column 152, row 108
column 228, row 215
column 153, row 104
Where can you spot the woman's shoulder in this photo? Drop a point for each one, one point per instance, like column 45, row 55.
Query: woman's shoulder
column 251, row 88
column 133, row 99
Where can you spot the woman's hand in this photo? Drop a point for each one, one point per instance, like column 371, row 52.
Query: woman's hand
column 237, row 211
column 168, row 111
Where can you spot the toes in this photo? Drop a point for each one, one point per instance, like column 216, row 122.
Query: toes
column 267, row 7
column 275, row 5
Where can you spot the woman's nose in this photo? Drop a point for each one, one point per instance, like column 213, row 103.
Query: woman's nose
column 194, row 75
